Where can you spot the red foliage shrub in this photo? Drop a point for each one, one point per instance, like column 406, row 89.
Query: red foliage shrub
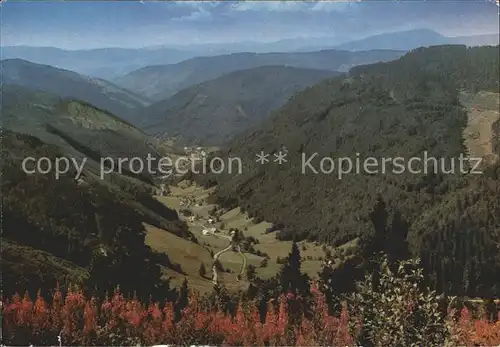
column 121, row 321
column 467, row 331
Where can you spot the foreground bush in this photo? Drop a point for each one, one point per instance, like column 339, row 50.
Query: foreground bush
column 467, row 331
column 397, row 308
column 119, row 321
column 390, row 308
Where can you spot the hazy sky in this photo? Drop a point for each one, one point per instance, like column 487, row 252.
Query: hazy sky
column 94, row 24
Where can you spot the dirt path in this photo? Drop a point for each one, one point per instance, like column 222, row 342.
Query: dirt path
column 216, row 257
column 206, row 232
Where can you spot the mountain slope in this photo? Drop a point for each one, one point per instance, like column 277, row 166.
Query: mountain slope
column 458, row 240
column 214, row 111
column 78, row 130
column 391, row 109
column 66, row 83
column 68, row 123
column 90, row 230
column 160, row 82
column 91, row 233
column 388, row 110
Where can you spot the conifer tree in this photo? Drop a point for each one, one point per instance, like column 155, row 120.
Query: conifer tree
column 251, row 273
column 202, row 271
column 291, row 279
column 182, row 299
column 396, row 245
column 375, row 243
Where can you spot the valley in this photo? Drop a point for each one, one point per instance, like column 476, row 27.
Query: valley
column 304, row 110
column 122, row 224
column 191, row 256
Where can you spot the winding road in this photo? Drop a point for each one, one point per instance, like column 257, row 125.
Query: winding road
column 206, row 231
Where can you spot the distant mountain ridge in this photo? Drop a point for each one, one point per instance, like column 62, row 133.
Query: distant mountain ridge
column 411, row 39
column 65, row 83
column 113, row 62
column 216, row 110
column 403, row 40
column 101, row 62
column 163, row 81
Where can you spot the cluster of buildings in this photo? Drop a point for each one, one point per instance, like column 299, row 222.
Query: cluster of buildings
column 195, row 153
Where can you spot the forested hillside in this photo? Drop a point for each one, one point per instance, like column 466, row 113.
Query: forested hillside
column 458, row 239
column 162, row 81
column 213, row 112
column 67, row 231
column 386, row 110
column 81, row 230
column 65, row 83
column 79, row 129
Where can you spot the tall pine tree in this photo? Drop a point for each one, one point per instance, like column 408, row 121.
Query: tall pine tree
column 290, row 278
column 292, row 281
column 182, row 299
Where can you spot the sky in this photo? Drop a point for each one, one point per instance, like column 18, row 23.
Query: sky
column 133, row 24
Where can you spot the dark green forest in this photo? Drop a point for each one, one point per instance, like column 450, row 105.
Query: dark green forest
column 215, row 111
column 64, row 231
column 395, row 109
